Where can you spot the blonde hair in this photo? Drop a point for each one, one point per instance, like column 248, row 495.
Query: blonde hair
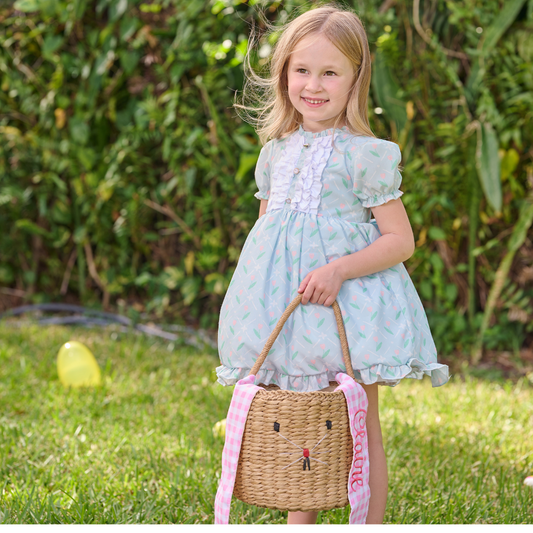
column 270, row 110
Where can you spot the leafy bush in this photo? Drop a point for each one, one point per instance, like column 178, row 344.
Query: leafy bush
column 127, row 179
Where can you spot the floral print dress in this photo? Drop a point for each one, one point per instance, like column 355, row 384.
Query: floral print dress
column 319, row 199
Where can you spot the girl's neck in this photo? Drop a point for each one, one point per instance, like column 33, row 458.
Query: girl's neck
column 318, row 128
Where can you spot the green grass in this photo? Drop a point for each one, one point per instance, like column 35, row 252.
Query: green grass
column 139, row 449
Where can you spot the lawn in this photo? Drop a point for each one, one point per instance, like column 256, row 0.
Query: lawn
column 139, row 449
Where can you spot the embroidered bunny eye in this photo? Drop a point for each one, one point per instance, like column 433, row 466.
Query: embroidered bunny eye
column 276, row 427
column 328, row 424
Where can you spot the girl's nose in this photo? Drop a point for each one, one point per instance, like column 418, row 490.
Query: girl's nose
column 313, row 85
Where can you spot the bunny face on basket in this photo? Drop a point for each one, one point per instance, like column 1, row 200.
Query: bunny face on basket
column 305, row 453
column 293, row 448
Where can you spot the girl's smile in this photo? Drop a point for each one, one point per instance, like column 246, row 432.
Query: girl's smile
column 319, row 80
column 314, row 102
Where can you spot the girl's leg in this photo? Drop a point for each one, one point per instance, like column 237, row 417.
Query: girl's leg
column 379, row 481
column 299, row 517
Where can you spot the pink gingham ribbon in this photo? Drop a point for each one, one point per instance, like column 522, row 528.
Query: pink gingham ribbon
column 244, row 393
column 358, row 488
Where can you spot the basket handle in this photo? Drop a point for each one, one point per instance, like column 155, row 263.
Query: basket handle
column 279, row 326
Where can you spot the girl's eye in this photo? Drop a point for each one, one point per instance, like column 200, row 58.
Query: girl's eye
column 330, row 72
column 301, row 69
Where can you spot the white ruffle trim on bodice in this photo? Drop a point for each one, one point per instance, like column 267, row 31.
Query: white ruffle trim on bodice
column 283, row 171
column 307, row 190
column 308, row 186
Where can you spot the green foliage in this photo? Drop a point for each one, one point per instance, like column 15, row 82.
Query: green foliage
column 126, row 177
column 106, row 119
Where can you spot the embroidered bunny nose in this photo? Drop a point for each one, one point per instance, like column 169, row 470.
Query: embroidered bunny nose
column 306, row 452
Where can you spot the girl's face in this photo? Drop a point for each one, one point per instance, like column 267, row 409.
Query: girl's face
column 319, row 80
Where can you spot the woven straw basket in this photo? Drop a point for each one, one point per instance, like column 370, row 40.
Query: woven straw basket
column 297, row 448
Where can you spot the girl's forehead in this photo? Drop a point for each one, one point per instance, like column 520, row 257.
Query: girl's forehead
column 317, row 48
column 313, row 41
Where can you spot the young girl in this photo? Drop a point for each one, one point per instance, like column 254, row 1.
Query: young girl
column 320, row 175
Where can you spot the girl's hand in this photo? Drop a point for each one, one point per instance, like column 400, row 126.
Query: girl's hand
column 321, row 286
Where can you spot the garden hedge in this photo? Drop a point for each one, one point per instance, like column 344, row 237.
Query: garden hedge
column 126, row 177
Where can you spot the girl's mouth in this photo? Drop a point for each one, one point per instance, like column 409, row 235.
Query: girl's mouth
column 314, row 102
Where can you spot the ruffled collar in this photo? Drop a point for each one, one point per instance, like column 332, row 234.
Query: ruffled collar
column 324, row 133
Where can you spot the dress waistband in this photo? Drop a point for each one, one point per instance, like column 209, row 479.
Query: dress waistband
column 288, row 208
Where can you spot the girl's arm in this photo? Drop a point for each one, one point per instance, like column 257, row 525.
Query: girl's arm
column 263, row 208
column 395, row 245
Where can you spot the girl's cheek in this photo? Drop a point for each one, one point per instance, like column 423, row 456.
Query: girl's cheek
column 333, row 82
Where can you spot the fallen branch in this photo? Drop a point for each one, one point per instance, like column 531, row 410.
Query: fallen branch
column 94, row 274
column 68, row 271
column 13, row 292
column 165, row 210
column 422, row 32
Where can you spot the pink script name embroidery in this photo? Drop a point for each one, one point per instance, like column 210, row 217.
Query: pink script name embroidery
column 359, row 421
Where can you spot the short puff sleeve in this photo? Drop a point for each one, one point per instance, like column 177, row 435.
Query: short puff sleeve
column 262, row 172
column 376, row 178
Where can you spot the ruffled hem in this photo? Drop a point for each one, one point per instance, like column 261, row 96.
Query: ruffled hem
column 379, row 373
column 380, row 200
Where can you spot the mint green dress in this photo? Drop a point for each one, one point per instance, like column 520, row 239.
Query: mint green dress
column 319, row 209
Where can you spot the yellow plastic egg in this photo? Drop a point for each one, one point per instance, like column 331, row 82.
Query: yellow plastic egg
column 219, row 429
column 77, row 366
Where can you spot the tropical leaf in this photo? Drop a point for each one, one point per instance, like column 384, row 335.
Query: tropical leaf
column 488, row 165
column 247, row 161
column 387, row 91
column 492, row 34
